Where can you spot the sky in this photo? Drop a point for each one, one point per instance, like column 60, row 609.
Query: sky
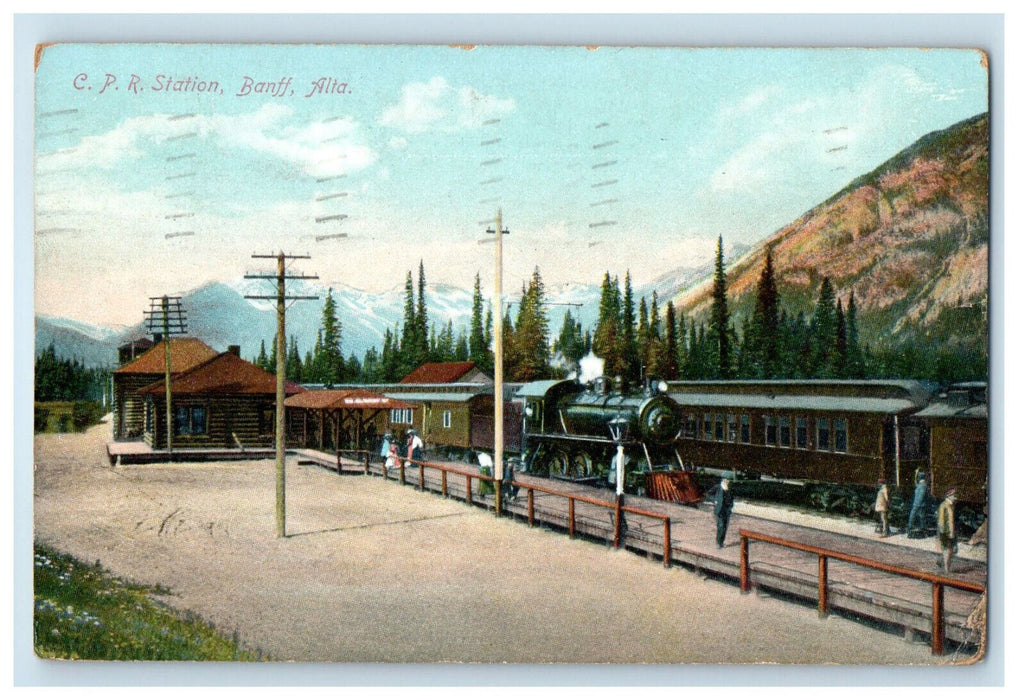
column 160, row 167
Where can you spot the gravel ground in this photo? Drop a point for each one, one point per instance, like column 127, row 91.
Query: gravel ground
column 373, row 572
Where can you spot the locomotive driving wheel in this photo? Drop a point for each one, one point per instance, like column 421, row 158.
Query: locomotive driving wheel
column 557, row 462
column 581, row 464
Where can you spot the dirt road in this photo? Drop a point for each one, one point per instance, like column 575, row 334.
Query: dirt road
column 371, row 571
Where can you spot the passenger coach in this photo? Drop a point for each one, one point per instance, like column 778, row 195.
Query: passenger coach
column 832, row 431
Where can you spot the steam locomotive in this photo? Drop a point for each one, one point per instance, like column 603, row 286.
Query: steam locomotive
column 573, row 432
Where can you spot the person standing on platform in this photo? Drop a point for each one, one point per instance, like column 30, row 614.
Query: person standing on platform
column 416, row 446
column 917, row 514
column 723, row 509
column 946, row 529
column 883, row 508
column 386, row 445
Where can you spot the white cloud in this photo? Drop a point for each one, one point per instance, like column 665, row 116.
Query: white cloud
column 330, row 147
column 437, row 105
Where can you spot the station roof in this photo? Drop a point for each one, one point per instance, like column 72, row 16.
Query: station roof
column 539, row 388
column 225, row 373
column 326, row 399
column 186, row 353
column 946, row 410
column 439, row 373
column 436, row 396
column 844, row 404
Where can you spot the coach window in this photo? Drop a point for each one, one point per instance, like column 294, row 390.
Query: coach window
column 840, row 434
column 822, row 441
column 708, row 426
column 731, row 427
column 770, row 430
column 446, row 419
column 690, row 426
column 784, row 431
column 718, row 427
column 745, row 428
column 801, row 433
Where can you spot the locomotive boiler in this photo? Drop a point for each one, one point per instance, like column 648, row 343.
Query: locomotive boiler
column 572, row 431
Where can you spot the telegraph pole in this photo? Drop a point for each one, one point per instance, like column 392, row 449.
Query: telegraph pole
column 279, row 418
column 169, row 306
column 497, row 319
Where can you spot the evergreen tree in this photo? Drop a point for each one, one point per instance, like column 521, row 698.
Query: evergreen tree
column 407, row 347
column 462, row 351
column 371, row 371
column 672, row 369
column 840, row 350
column 823, row 332
column 570, row 343
column 720, row 321
column 643, row 337
column 293, row 362
column 606, row 340
column 330, row 360
column 422, row 348
column 262, row 361
column 478, row 341
column 631, row 352
column 765, row 324
column 855, row 356
column 530, row 340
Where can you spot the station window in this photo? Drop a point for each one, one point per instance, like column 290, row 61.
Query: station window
column 149, row 418
column 731, row 427
column 745, row 429
column 770, row 430
column 708, row 426
column 690, row 426
column 840, row 434
column 446, row 419
column 718, row 427
column 822, row 434
column 784, row 431
column 801, row 433
column 190, row 420
column 402, row 415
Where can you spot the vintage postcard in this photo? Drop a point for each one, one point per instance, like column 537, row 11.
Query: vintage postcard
column 434, row 354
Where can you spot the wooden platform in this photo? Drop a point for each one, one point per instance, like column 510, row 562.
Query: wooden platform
column 903, row 603
column 137, row 452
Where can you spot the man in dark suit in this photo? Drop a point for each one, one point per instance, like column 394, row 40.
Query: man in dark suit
column 723, row 509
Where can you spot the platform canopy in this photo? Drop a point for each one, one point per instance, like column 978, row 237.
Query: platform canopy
column 341, row 417
column 327, row 399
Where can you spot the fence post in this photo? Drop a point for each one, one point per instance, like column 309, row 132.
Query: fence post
column 530, row 506
column 366, row 463
column 498, row 496
column 618, row 521
column 469, row 491
column 444, row 483
column 938, row 633
column 338, row 462
column 745, row 576
column 402, row 472
column 667, row 545
column 823, row 586
column 572, row 517
column 421, row 466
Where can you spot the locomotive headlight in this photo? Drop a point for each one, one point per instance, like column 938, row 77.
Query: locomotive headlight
column 529, row 411
column 663, row 387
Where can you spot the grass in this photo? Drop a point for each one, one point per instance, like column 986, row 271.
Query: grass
column 82, row 612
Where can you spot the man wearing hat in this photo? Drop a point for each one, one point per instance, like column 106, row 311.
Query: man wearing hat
column 916, row 515
column 883, row 508
column 723, row 508
column 946, row 529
